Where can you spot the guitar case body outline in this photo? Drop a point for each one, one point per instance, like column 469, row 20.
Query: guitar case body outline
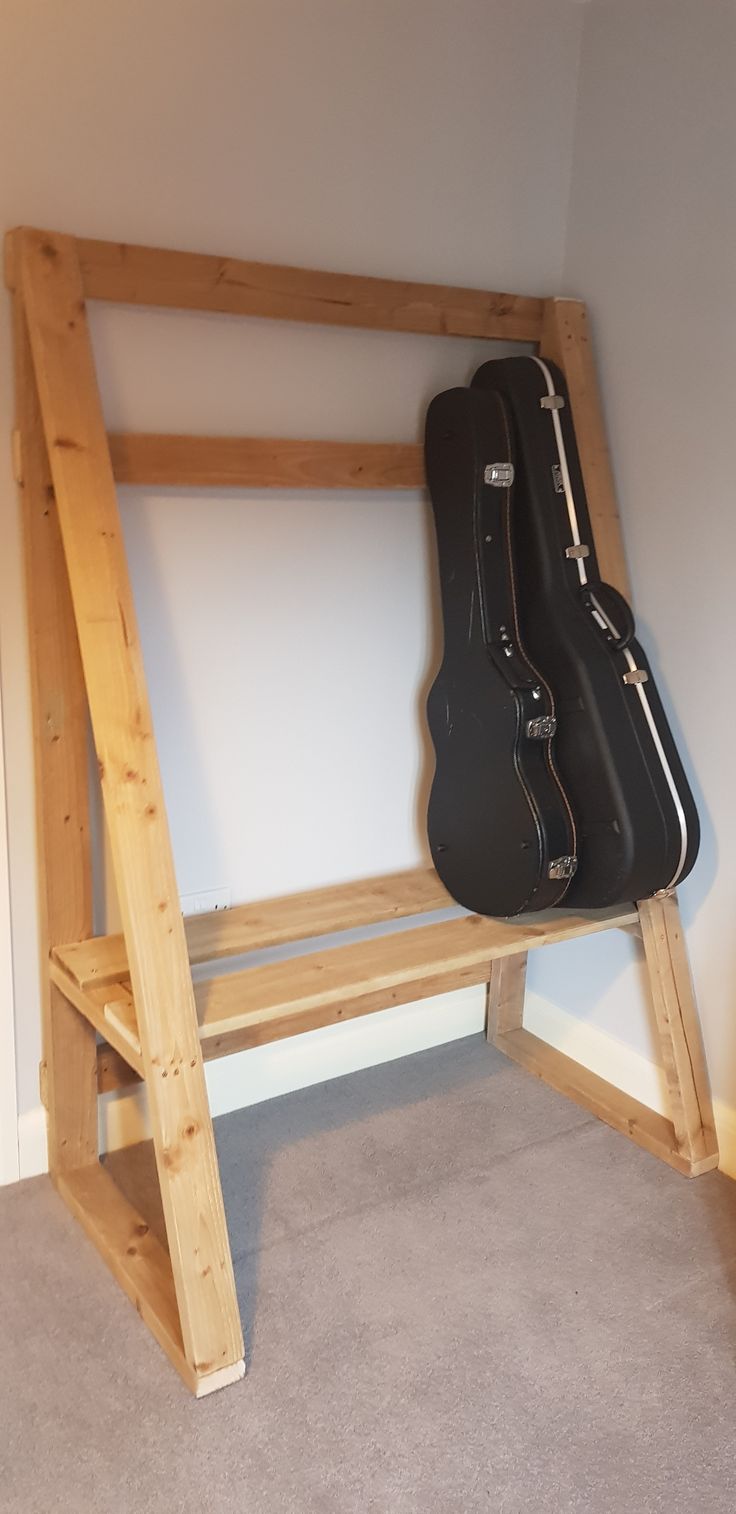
column 501, row 829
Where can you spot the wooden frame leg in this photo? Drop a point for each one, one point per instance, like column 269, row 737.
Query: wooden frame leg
column 506, row 990
column 687, row 1141
column 678, row 1031
column 209, row 1342
column 59, row 705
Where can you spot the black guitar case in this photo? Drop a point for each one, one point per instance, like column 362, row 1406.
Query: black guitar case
column 609, row 750
column 501, row 830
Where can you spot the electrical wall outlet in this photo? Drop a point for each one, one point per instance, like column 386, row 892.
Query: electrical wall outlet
column 205, row 902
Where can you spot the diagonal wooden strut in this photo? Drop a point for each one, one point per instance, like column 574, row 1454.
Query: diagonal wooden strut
column 134, row 806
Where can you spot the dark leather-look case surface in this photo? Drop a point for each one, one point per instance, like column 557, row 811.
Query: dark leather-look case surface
column 636, row 822
column 500, row 826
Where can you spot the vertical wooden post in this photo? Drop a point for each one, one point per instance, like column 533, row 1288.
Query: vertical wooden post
column 69, row 1067
column 76, row 440
column 506, row 989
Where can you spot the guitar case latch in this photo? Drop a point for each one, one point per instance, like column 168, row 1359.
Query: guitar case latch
column 541, row 727
column 562, row 867
column 500, row 475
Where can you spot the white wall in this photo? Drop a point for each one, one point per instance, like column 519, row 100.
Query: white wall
column 288, row 640
column 651, row 238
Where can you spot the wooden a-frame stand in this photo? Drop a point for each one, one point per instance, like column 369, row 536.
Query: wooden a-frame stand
column 121, row 1008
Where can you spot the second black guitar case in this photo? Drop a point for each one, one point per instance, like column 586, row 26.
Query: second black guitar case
column 637, row 826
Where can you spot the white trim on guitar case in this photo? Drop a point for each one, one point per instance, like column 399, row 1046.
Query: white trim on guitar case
column 603, row 620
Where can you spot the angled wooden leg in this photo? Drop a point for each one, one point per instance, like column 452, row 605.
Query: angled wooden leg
column 686, row 1142
column 48, row 269
column 59, row 703
column 506, row 989
column 678, row 1031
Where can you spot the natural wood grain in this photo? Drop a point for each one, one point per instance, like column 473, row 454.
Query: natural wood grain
column 566, row 340
column 90, row 1003
column 279, row 999
column 199, row 281
column 139, row 1263
column 266, row 1003
column 134, row 807
column 245, row 462
column 644, row 1126
column 506, row 990
column 678, row 1029
column 113, row 1072
column 139, row 994
column 272, row 922
column 59, row 706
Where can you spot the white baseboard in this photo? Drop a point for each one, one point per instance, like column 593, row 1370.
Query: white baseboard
column 250, row 1077
column 265, row 1072
column 32, row 1151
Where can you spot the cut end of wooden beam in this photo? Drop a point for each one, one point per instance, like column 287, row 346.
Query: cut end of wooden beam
column 223, row 1378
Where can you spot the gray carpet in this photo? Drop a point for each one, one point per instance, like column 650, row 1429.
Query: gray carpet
column 460, row 1293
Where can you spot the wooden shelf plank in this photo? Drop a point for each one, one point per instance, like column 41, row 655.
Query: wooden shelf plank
column 268, row 1003
column 264, row 1004
column 133, row 275
column 255, row 462
column 271, row 922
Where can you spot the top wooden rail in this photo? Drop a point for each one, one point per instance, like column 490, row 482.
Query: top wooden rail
column 131, row 275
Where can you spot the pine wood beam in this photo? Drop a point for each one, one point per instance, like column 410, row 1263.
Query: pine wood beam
column 134, row 805
column 199, row 281
column 59, row 707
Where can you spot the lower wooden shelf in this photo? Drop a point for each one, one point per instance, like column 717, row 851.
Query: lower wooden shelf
column 256, row 1005
column 436, row 948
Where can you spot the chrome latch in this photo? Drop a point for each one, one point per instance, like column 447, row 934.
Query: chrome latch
column 580, row 551
column 562, row 867
column 552, row 402
column 637, row 675
column 557, row 479
column 541, row 727
column 500, row 475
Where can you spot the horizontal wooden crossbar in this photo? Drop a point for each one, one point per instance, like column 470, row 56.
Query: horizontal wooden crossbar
column 134, row 275
column 248, row 462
